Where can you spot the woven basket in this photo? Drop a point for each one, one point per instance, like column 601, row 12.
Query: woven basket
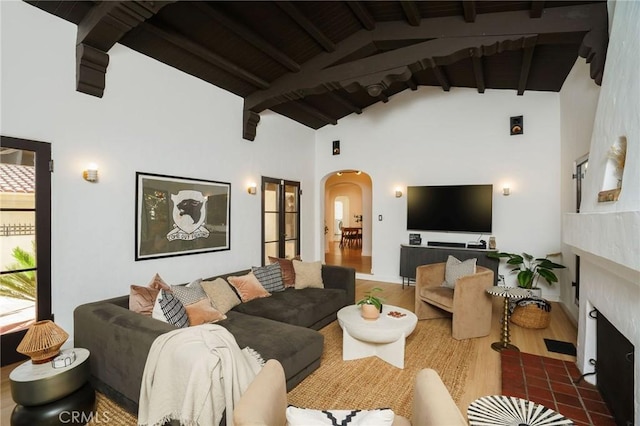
column 530, row 316
column 42, row 341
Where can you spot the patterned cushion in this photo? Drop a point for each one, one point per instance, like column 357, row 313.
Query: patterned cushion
column 455, row 269
column 308, row 274
column 248, row 287
column 220, row 294
column 306, row 417
column 169, row 309
column 270, row 277
column 190, row 293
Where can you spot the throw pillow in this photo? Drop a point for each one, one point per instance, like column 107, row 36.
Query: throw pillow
column 220, row 294
column 202, row 312
column 190, row 293
column 455, row 269
column 308, row 417
column 142, row 299
column 248, row 287
column 308, row 274
column 168, row 308
column 286, row 267
column 270, row 276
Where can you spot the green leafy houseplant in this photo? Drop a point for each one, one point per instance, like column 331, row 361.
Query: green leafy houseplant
column 20, row 285
column 530, row 269
column 370, row 299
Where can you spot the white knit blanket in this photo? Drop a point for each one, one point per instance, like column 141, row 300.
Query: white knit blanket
column 192, row 374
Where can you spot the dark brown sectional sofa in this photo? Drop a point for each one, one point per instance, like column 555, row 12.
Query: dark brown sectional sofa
column 283, row 326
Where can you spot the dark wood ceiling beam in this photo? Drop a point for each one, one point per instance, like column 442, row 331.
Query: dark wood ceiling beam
column 441, row 77
column 345, row 103
column 411, row 11
column 205, row 54
column 250, row 122
column 249, row 36
column 469, row 8
column 308, row 26
column 478, row 71
column 101, row 28
column 316, row 113
column 529, row 46
column 537, row 6
column 411, row 83
column 362, row 14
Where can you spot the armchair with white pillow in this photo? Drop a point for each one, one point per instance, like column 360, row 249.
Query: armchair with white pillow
column 265, row 404
column 455, row 289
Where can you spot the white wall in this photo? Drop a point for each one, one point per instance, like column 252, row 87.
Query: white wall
column 152, row 118
column 578, row 102
column 430, row 137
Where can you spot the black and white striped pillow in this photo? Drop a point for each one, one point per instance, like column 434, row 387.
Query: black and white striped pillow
column 173, row 310
column 270, row 277
column 306, row 416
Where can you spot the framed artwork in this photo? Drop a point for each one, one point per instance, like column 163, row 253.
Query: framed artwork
column 178, row 216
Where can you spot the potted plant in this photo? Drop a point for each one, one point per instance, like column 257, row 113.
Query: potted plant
column 371, row 305
column 530, row 269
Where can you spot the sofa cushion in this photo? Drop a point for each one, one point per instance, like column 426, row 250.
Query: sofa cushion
column 305, row 417
column 298, row 307
column 220, row 294
column 168, row 308
column 142, row 299
column 456, row 268
column 308, row 274
column 190, row 293
column 202, row 312
column 286, row 266
column 248, row 287
column 269, row 276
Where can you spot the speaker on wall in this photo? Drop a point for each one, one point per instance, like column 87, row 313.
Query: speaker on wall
column 336, row 147
column 517, row 127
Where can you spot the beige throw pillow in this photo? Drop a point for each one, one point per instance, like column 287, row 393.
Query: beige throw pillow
column 455, row 269
column 308, row 274
column 220, row 294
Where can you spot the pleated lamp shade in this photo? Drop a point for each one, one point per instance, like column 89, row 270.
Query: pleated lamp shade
column 42, row 342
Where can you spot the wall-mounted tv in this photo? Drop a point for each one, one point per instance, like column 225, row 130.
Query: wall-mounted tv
column 450, row 208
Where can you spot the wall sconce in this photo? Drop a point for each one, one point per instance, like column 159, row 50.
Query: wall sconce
column 506, row 190
column 252, row 188
column 91, row 174
column 398, row 192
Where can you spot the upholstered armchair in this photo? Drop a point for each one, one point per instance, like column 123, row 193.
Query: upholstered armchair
column 468, row 303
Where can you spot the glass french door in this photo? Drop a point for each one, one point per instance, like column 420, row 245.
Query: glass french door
column 581, row 169
column 280, row 218
column 25, row 240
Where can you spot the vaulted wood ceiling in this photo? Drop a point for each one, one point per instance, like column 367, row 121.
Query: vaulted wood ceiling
column 319, row 61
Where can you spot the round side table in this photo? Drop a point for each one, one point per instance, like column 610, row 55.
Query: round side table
column 500, row 410
column 44, row 395
column 508, row 293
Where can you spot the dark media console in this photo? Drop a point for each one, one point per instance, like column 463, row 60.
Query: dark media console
column 445, row 244
column 412, row 256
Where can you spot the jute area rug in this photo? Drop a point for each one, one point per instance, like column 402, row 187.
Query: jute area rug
column 372, row 383
column 364, row 383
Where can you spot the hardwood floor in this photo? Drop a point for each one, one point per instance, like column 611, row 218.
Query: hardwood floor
column 484, row 375
column 348, row 256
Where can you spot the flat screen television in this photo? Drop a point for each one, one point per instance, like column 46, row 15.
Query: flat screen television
column 450, row 208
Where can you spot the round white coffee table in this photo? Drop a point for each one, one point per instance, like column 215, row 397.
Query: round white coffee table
column 383, row 337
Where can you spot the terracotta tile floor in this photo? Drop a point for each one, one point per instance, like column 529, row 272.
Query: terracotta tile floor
column 549, row 382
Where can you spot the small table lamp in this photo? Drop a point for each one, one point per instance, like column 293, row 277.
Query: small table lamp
column 42, row 342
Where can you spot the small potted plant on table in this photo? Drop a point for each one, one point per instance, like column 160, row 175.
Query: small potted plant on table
column 370, row 305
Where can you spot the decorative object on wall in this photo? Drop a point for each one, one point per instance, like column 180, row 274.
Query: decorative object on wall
column 252, row 188
column 336, row 147
column 91, row 173
column 398, row 192
column 42, row 341
column 614, row 171
column 179, row 216
column 517, row 125
column 506, row 191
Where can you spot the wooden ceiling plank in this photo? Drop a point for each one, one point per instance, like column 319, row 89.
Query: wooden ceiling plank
column 478, row 72
column 308, row 26
column 249, row 36
column 345, row 103
column 362, row 14
column 537, row 6
column 316, row 113
column 529, row 47
column 469, row 8
column 98, row 31
column 412, row 12
column 205, row 54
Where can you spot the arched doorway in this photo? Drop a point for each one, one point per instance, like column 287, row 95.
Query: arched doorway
column 347, row 219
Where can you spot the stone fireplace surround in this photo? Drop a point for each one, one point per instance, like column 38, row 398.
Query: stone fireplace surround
column 610, row 281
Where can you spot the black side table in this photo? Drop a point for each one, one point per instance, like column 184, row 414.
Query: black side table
column 52, row 396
